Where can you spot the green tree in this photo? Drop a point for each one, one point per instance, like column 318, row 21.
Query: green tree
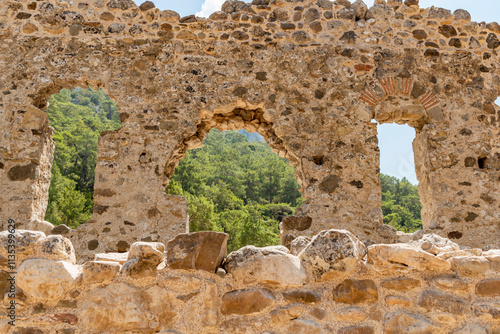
column 78, row 117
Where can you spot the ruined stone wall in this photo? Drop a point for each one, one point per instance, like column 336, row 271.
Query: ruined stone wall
column 307, row 75
column 331, row 284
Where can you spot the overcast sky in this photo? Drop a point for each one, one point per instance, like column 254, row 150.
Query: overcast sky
column 394, row 140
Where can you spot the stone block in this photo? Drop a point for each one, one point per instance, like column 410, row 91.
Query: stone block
column 247, row 301
column 200, row 250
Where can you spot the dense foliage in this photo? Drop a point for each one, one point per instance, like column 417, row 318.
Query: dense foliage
column 236, row 186
column 232, row 184
column 78, row 117
column 400, row 204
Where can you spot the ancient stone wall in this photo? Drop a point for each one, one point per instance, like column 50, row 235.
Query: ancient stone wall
column 330, row 284
column 307, row 75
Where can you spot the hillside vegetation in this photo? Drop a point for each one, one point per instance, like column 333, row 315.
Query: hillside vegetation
column 232, row 184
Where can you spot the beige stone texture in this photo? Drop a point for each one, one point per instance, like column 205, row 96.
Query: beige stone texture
column 46, row 281
column 253, row 265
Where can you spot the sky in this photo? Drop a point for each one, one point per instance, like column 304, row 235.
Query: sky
column 395, row 141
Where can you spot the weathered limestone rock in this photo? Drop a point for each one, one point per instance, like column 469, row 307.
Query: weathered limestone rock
column 120, row 258
column 357, row 330
column 401, row 257
column 450, row 283
column 251, row 265
column 246, row 301
column 332, row 254
column 490, row 309
column 400, row 323
column 46, row 281
column 432, row 300
column 401, row 284
column 298, row 244
column 302, row 296
column 435, row 244
column 285, row 314
column 303, row 326
column 360, row 9
column 22, row 242
column 99, row 271
column 101, row 312
column 201, row 251
column 353, row 314
column 471, row 329
column 488, row 288
column 56, row 247
column 397, row 301
column 470, row 265
column 143, row 259
column 355, row 292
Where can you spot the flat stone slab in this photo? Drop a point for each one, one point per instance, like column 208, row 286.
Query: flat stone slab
column 200, row 251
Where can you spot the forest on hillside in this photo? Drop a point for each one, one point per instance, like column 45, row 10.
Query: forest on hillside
column 234, row 183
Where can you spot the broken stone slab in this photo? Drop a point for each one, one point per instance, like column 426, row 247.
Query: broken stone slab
column 247, row 301
column 99, row 271
column 402, row 257
column 199, row 251
column 332, row 254
column 435, row 244
column 254, row 265
column 120, row 258
column 46, row 281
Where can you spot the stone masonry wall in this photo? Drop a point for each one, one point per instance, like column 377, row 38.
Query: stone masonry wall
column 307, row 75
column 330, row 284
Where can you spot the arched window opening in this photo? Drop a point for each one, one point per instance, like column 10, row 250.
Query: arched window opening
column 236, row 184
column 78, row 117
column 401, row 204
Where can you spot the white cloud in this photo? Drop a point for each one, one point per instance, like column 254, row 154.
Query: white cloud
column 210, row 6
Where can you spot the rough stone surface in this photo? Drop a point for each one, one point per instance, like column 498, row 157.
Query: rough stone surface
column 471, row 329
column 246, row 301
column 401, row 284
column 46, row 281
column 488, row 288
column 402, row 257
column 333, row 253
column 470, row 265
column 435, row 244
column 253, row 265
column 355, row 292
column 201, row 250
column 400, row 323
column 298, row 244
column 321, row 127
column 99, row 271
column 432, row 300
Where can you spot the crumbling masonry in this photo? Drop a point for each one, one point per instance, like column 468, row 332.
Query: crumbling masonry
column 310, row 76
